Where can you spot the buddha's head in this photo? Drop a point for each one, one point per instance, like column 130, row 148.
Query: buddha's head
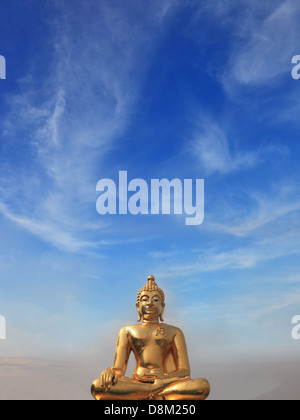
column 150, row 302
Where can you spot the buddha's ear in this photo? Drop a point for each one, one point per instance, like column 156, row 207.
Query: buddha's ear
column 139, row 313
column 161, row 314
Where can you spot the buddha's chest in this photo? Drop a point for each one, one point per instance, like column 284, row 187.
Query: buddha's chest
column 144, row 339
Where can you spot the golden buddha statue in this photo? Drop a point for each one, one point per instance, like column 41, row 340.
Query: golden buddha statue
column 162, row 370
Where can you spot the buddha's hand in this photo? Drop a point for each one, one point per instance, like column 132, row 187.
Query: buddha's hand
column 144, row 378
column 168, row 379
column 108, row 378
column 162, row 381
column 145, row 375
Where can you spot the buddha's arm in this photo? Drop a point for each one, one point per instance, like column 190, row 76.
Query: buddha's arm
column 122, row 353
column 110, row 375
column 179, row 351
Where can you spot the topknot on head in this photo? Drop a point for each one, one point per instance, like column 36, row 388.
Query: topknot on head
column 151, row 285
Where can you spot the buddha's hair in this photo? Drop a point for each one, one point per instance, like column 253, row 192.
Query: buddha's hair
column 151, row 286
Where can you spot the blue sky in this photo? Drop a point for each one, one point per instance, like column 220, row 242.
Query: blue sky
column 161, row 89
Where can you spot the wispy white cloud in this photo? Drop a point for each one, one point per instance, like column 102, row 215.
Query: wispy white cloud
column 277, row 302
column 241, row 240
column 212, row 148
column 260, row 40
column 217, row 152
column 214, row 259
column 270, row 213
column 265, row 42
column 49, row 232
column 68, row 119
column 162, row 254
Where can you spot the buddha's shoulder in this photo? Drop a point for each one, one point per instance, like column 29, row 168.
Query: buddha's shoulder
column 129, row 329
column 172, row 328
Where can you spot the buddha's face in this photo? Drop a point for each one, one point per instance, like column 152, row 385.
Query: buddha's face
column 150, row 305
